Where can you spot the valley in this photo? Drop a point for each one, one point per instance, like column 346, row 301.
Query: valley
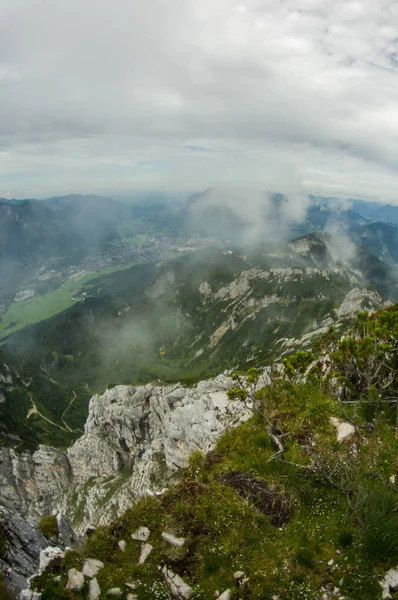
column 119, row 360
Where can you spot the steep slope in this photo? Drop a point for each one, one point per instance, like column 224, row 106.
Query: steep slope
column 36, row 409
column 381, row 239
column 297, row 502
column 296, row 499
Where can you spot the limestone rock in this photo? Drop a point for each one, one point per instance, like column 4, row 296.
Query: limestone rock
column 146, row 549
column 132, row 597
column 225, row 595
column 65, row 529
column 131, row 585
column 22, row 553
column 94, row 591
column 48, row 555
column 91, row 566
column 149, row 429
column 173, row 540
column 75, row 580
column 114, row 592
column 238, row 575
column 122, row 545
column 178, row 587
column 137, row 427
column 343, row 430
column 33, row 484
column 141, row 534
column 389, row 583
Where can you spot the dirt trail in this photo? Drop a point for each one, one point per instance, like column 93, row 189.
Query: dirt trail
column 65, row 411
column 34, row 411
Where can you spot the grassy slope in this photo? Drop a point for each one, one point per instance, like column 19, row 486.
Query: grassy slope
column 288, row 558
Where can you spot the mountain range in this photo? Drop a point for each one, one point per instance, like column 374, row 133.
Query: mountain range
column 223, row 325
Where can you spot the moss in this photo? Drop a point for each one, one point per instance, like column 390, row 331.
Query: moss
column 49, row 526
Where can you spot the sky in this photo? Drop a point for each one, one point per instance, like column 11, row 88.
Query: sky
column 116, row 96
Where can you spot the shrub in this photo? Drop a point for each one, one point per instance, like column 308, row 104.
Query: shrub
column 345, row 539
column 49, row 526
column 380, row 532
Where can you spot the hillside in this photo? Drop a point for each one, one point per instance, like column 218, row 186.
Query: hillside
column 381, row 239
column 199, row 314
column 35, row 408
column 298, row 502
column 189, row 319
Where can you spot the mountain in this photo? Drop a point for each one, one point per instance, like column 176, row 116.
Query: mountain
column 249, row 216
column 364, row 208
column 386, row 214
column 381, row 239
column 59, row 232
column 280, row 483
column 194, row 316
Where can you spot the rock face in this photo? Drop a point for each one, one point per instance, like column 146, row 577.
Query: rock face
column 33, row 484
column 134, row 438
column 22, row 551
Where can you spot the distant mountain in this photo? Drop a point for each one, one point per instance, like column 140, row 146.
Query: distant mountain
column 320, row 218
column 61, row 230
column 250, row 216
column 364, row 208
column 380, row 239
column 387, row 214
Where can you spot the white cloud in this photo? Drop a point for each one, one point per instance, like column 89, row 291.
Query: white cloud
column 293, row 94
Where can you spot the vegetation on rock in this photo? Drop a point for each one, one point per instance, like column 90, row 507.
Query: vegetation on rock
column 49, row 526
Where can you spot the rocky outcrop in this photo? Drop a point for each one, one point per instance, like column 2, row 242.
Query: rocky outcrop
column 22, row 543
column 33, row 484
column 134, row 438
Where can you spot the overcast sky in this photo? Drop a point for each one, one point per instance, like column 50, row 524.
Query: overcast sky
column 107, row 95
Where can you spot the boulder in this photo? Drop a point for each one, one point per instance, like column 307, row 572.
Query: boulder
column 178, row 587
column 122, row 545
column 114, row 592
column 173, row 540
column 94, row 591
column 141, row 534
column 389, row 583
column 91, row 566
column 225, row 595
column 146, row 549
column 343, row 430
column 75, row 580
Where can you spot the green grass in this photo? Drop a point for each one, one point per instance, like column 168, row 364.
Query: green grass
column 38, row 308
column 49, row 526
column 226, row 531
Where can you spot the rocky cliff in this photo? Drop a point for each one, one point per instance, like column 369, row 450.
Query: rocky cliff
column 134, row 439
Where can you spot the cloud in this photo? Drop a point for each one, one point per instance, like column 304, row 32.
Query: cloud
column 295, row 92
